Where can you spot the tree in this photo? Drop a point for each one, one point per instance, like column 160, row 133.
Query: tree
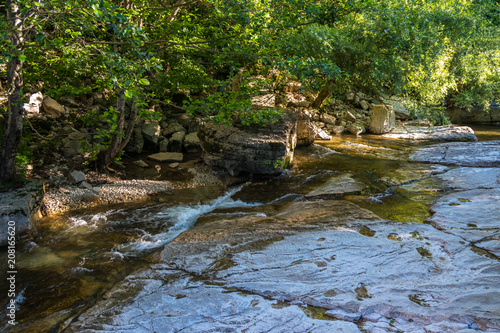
column 14, row 117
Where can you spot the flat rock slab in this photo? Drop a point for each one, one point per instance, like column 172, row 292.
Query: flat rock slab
column 181, row 305
column 473, row 215
column 470, row 178
column 474, row 154
column 405, row 277
column 436, row 133
column 340, row 184
column 166, row 157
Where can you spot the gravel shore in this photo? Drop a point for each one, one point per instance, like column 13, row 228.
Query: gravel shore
column 112, row 191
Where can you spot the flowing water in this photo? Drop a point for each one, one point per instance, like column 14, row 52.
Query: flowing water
column 76, row 257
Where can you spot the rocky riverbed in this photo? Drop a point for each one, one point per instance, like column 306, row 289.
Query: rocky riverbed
column 325, row 264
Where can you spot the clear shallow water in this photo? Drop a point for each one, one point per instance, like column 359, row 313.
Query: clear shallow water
column 75, row 258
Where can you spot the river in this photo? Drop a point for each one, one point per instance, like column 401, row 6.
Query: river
column 76, row 257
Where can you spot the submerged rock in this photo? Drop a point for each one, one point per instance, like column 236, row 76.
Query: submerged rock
column 340, row 184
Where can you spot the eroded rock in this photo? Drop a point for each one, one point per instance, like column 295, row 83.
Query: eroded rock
column 260, row 150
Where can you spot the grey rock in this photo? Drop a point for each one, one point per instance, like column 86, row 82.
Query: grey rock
column 364, row 105
column 383, row 119
column 303, row 104
column 477, row 115
column 262, row 150
column 176, row 142
column 338, row 130
column 167, row 157
column 86, row 185
column 350, row 116
column 171, row 129
column 436, row 133
column 163, row 145
column 173, row 165
column 185, row 119
column 306, row 131
column 344, row 315
column 321, row 134
column 425, row 286
column 140, row 163
column 468, row 178
column 192, row 143
column 22, row 207
column 89, row 197
column 151, row 131
column 328, row 119
column 181, row 305
column 474, row 154
column 472, row 215
column 77, row 176
column 355, row 129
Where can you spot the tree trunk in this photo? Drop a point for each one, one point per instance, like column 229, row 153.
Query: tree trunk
column 119, row 139
column 14, row 117
column 323, row 94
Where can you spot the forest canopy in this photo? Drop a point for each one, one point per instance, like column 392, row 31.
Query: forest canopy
column 433, row 53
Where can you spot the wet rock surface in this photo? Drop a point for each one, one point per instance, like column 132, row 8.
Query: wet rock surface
column 340, row 184
column 436, row 133
column 22, row 207
column 475, row 154
column 269, row 267
column 174, row 306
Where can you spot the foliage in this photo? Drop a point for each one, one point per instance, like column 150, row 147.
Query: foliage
column 260, row 117
column 434, row 53
column 221, row 107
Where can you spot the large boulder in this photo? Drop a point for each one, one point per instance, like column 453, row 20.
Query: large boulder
column 257, row 150
column 176, row 142
column 171, row 129
column 306, row 131
column 20, row 209
column 151, row 132
column 383, row 119
column 192, row 143
column 52, row 108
